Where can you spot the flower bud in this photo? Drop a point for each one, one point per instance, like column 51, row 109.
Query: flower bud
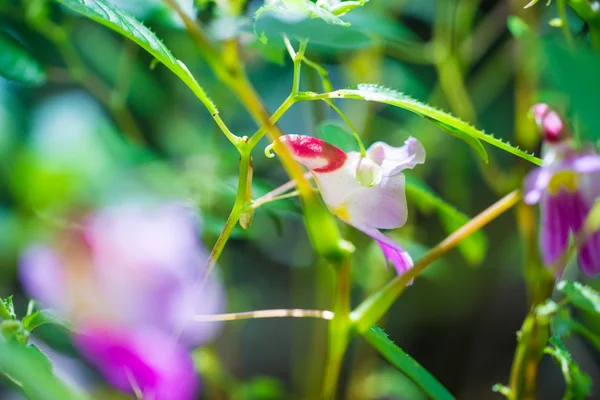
column 549, row 122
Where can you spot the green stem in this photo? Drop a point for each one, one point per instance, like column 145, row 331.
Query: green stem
column 562, row 13
column 374, row 307
column 237, row 210
column 533, row 337
column 260, row 314
column 254, row 139
column 339, row 331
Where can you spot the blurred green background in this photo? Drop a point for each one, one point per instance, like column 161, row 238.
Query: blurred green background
column 117, row 127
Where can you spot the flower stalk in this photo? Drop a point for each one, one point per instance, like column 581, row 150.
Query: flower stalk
column 374, row 307
column 339, row 330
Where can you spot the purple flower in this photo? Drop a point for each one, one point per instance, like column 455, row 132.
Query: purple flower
column 129, row 281
column 366, row 192
column 566, row 186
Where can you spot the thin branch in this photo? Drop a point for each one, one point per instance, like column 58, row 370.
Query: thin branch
column 260, row 314
column 374, row 307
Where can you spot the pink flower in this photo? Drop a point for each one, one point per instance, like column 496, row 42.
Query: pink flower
column 367, row 193
column 128, row 281
column 566, row 186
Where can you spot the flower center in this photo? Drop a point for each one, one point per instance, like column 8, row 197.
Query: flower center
column 367, row 173
column 563, row 179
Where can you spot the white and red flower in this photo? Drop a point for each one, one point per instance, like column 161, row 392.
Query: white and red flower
column 366, row 192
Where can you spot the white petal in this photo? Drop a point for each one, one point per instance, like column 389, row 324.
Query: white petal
column 338, row 185
column 395, row 159
column 382, row 206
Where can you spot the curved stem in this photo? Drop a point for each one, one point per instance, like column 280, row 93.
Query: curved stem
column 374, row 307
column 276, row 313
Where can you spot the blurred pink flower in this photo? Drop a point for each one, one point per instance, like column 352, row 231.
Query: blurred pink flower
column 129, row 283
column 367, row 193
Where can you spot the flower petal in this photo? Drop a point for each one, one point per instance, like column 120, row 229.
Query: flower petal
column 147, row 360
column 41, row 274
column 314, row 153
column 587, row 164
column 589, row 256
column 391, row 250
column 206, row 298
column 557, row 217
column 337, row 185
column 395, row 159
column 535, row 184
column 382, row 206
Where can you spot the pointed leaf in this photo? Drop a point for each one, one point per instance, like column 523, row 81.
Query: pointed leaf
column 474, row 247
column 126, row 25
column 580, row 296
column 578, row 383
column 43, row 317
column 445, row 120
column 406, row 364
column 7, row 309
column 31, row 370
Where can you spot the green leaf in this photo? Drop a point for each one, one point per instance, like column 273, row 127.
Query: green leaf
column 16, row 64
column 470, row 140
column 580, row 296
column 446, row 121
column 338, row 135
column 297, row 10
column 406, row 364
column 43, row 317
column 307, row 20
column 126, row 25
column 7, row 309
column 474, row 247
column 31, row 370
column 578, row 383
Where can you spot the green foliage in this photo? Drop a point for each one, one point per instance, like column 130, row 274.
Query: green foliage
column 17, row 64
column 31, row 371
column 517, row 27
column 406, row 364
column 580, row 296
column 7, row 309
column 473, row 248
column 307, row 20
column 446, row 121
column 260, row 388
column 124, row 24
column 578, row 383
column 338, row 135
column 43, row 317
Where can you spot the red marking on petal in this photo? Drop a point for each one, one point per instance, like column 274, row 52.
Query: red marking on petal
column 309, row 147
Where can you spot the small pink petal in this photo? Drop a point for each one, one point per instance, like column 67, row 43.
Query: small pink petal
column 399, row 257
column 391, row 250
column 314, row 153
